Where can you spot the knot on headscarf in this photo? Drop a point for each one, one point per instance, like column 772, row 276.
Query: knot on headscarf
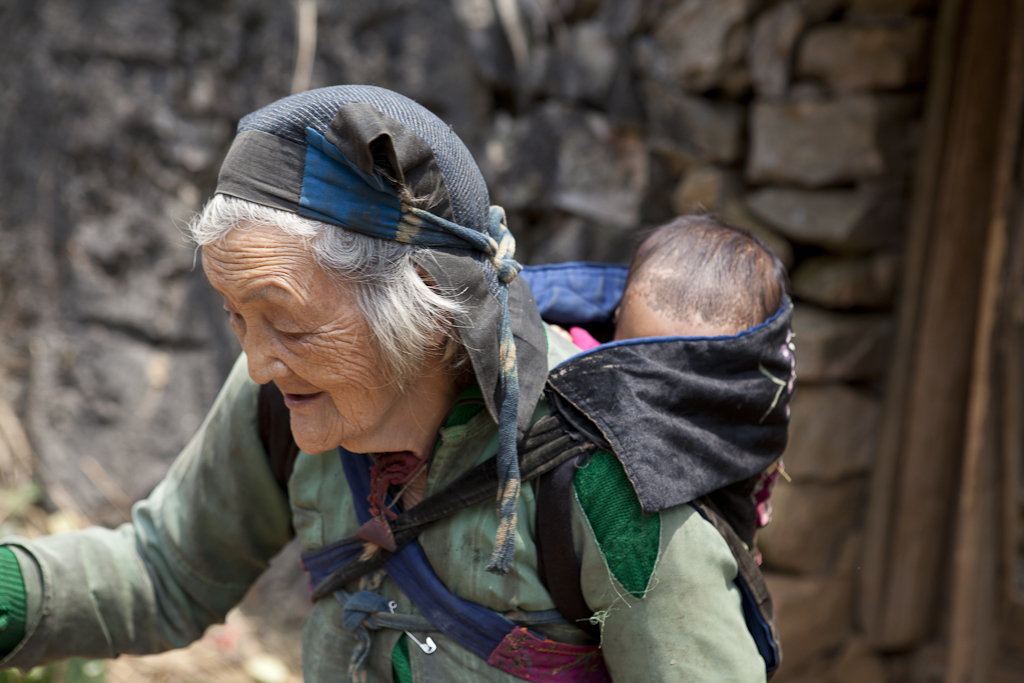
column 497, row 243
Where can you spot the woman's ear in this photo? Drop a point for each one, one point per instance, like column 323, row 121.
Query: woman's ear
column 441, row 336
column 425, row 276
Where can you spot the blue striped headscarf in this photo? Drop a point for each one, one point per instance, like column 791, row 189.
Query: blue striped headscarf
column 315, row 154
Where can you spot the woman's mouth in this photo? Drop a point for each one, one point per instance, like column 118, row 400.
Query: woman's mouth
column 299, row 401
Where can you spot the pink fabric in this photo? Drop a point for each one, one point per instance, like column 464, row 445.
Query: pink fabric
column 762, row 493
column 582, row 338
column 530, row 658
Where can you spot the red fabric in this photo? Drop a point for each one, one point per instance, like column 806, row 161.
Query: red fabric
column 582, row 338
column 530, row 658
column 387, row 469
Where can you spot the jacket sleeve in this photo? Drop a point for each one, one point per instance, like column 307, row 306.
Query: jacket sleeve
column 689, row 624
column 194, row 547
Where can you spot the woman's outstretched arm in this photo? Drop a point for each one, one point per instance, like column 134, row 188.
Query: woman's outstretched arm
column 194, row 547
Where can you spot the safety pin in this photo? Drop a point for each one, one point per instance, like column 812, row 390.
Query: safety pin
column 428, row 647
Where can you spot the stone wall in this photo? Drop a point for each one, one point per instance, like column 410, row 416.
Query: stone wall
column 592, row 119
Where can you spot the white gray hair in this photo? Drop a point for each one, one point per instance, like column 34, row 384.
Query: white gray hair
column 404, row 314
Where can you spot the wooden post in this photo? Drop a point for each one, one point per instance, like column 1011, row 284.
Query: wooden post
column 1012, row 432
column 976, row 555
column 923, row 434
column 945, row 39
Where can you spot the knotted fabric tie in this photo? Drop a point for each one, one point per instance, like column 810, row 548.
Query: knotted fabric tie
column 497, row 243
column 499, row 246
column 359, row 607
column 390, row 469
column 365, row 610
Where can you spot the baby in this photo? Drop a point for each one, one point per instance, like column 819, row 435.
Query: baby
column 698, row 277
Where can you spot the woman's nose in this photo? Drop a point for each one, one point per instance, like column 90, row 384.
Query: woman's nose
column 265, row 364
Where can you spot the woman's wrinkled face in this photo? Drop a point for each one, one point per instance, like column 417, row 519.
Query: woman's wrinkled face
column 302, row 330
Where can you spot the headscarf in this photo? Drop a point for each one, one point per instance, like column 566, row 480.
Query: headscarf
column 313, row 154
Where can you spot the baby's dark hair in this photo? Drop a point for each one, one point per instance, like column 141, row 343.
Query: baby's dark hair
column 697, row 266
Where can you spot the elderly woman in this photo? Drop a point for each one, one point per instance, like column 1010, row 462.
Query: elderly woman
column 367, row 277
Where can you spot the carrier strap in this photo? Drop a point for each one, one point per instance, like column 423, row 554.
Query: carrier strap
column 551, row 448
column 492, row 636
column 558, row 565
column 758, row 609
column 547, row 445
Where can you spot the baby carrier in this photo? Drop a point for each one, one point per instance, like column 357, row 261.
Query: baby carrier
column 691, row 420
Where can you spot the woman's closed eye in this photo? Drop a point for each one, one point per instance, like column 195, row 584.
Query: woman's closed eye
column 292, row 331
column 235, row 318
column 294, row 335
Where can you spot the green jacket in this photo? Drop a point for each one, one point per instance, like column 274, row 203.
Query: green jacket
column 210, row 527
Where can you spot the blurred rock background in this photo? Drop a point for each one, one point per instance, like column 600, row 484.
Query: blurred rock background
column 592, row 120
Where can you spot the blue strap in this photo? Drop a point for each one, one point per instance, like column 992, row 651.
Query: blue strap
column 759, row 629
column 473, row 626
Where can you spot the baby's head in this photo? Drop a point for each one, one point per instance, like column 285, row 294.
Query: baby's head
column 698, row 277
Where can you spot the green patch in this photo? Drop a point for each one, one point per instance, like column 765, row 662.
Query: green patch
column 13, row 609
column 401, row 670
column 467, row 405
column 628, row 538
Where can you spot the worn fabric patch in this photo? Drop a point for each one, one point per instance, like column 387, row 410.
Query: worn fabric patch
column 532, row 658
column 335, row 191
column 13, row 611
column 401, row 669
column 628, row 537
